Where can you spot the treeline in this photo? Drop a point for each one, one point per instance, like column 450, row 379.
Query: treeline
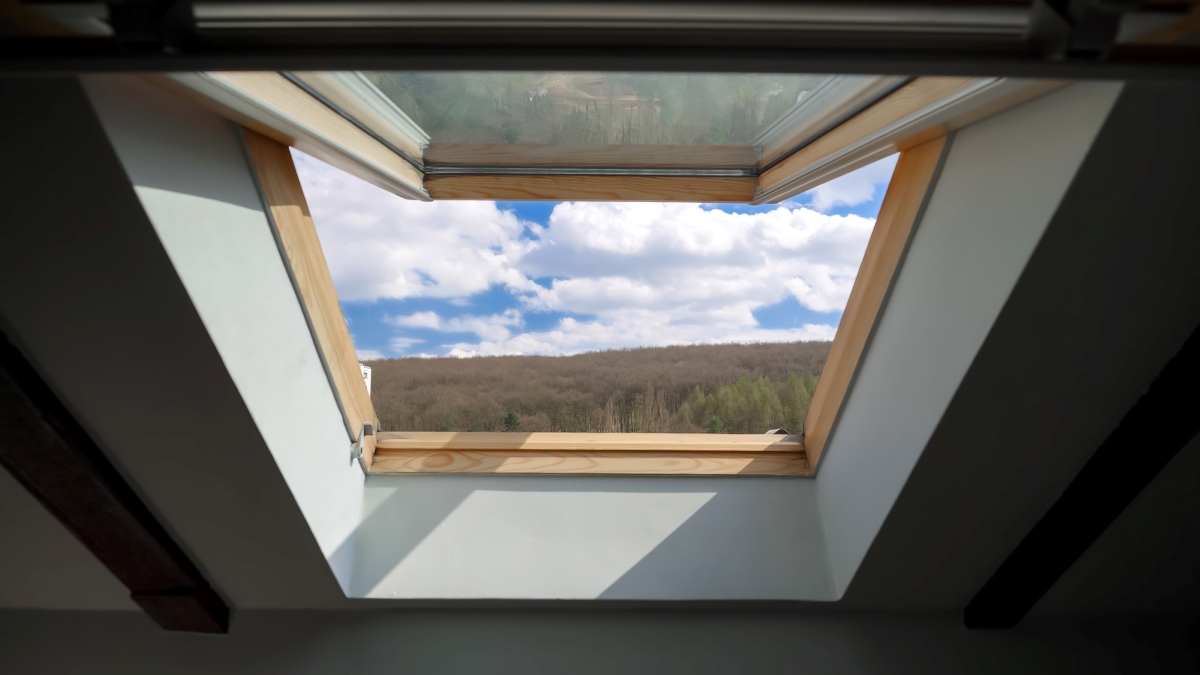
column 732, row 388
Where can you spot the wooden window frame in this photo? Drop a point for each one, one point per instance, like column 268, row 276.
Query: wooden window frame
column 914, row 120
column 296, row 234
column 922, row 109
column 590, row 453
column 925, row 108
column 908, row 192
column 319, row 114
column 277, row 108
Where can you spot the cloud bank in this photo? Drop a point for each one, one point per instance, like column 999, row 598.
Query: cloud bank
column 608, row 275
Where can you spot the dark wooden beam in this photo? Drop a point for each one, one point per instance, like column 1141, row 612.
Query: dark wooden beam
column 1158, row 426
column 49, row 453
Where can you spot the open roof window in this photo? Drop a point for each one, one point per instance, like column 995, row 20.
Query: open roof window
column 741, row 119
column 742, row 138
column 548, row 254
column 599, row 124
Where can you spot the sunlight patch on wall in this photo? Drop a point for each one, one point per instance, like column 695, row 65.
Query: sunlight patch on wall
column 537, row 545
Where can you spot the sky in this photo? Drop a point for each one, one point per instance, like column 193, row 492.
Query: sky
column 474, row 278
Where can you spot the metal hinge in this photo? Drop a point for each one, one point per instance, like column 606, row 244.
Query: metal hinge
column 356, row 449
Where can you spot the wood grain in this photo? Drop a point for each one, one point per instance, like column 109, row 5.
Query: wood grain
column 593, row 188
column 911, row 182
column 289, row 211
column 914, row 96
column 539, row 441
column 590, row 462
column 591, row 156
column 583, row 453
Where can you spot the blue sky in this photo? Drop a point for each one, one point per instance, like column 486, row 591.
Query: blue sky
column 482, row 278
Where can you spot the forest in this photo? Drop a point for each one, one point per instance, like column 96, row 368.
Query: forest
column 728, row 388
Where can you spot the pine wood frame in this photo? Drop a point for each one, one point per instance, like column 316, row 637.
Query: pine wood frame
column 584, row 453
column 302, row 253
column 590, row 453
column 278, row 108
column 908, row 192
column 275, row 107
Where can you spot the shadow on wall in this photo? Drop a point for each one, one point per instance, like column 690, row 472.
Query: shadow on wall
column 156, row 141
column 587, row 537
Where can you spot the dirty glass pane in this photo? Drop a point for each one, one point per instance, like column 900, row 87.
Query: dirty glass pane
column 573, row 108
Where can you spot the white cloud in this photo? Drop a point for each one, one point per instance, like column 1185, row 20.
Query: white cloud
column 641, row 273
column 464, row 353
column 821, row 288
column 368, row 354
column 639, row 329
column 695, row 262
column 419, row 320
column 379, row 245
column 853, row 188
column 494, row 327
column 401, row 344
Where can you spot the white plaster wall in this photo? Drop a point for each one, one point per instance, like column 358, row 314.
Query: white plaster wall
column 1001, row 183
column 591, row 537
column 191, row 174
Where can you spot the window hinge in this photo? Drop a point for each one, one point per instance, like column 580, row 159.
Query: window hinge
column 356, row 449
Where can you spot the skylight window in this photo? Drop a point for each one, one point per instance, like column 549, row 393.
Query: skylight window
column 478, row 217
column 592, row 305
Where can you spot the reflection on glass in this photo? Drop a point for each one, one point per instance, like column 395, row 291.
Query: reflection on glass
column 594, row 108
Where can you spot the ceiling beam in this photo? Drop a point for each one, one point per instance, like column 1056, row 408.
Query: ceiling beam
column 47, row 451
column 1158, row 426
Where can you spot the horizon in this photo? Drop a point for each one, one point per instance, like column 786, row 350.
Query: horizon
column 428, row 357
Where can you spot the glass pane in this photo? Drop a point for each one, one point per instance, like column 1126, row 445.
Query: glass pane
column 594, row 108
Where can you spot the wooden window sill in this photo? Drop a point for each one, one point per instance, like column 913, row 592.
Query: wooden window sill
column 584, row 453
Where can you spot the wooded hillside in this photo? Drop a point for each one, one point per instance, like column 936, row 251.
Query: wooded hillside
column 733, row 388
